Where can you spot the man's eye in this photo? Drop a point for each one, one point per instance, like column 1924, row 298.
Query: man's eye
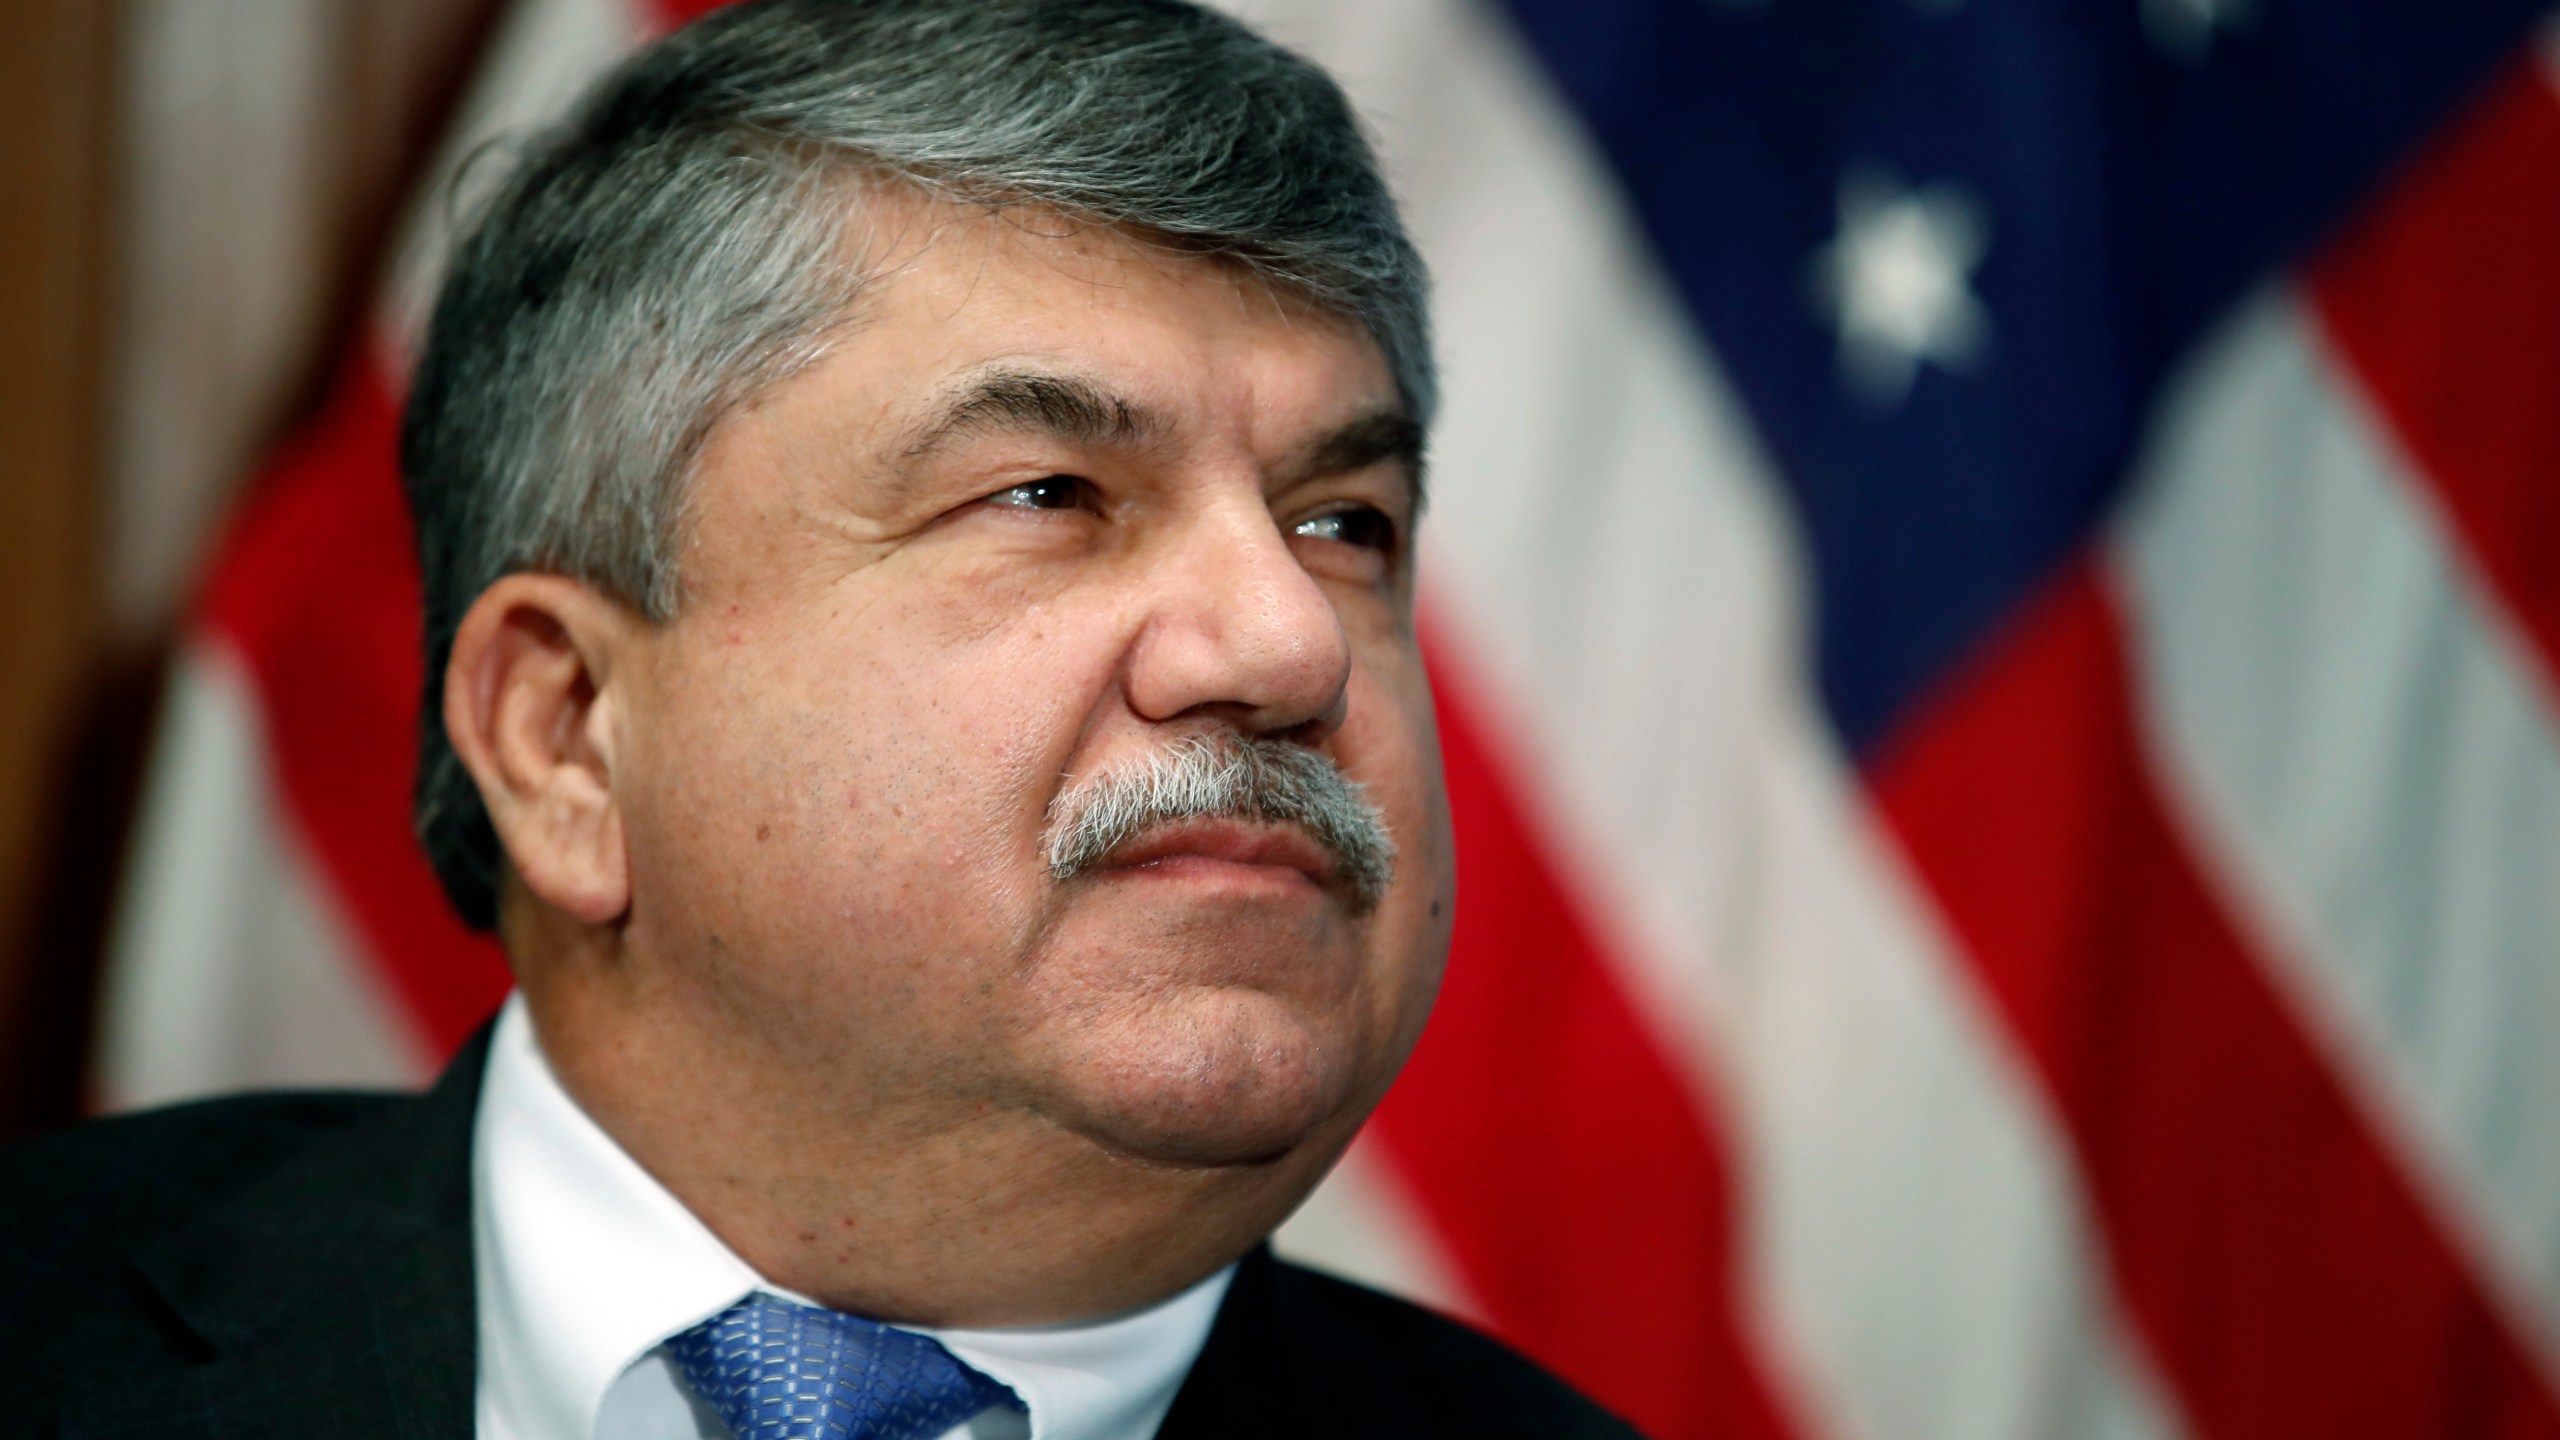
column 1361, row 525
column 1056, row 492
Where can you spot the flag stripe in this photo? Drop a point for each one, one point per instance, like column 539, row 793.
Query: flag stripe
column 2283, row 1271
column 318, row 589
column 1616, row 1199
column 2363, row 748
column 2442, row 299
column 234, row 964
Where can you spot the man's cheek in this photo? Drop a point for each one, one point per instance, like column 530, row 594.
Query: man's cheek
column 985, row 588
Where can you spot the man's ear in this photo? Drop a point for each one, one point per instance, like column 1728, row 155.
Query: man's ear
column 530, row 706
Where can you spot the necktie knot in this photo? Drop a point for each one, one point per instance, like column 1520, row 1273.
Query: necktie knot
column 775, row 1370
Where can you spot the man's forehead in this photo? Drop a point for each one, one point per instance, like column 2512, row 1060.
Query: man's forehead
column 943, row 258
column 985, row 319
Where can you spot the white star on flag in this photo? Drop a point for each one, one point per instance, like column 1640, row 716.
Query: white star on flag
column 1897, row 282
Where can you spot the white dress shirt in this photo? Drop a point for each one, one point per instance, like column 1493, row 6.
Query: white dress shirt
column 586, row 1265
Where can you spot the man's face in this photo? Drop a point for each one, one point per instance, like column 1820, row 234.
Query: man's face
column 1058, row 503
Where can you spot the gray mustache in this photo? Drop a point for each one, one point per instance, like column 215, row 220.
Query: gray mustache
column 1226, row 777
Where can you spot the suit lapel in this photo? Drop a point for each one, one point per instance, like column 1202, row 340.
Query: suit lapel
column 1274, row 1367
column 336, row 1297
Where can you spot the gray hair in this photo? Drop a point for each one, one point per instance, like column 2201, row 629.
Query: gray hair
column 680, row 243
column 1225, row 776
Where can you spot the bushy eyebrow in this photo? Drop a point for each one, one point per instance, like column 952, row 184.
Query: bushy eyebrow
column 1378, row 438
column 1073, row 409
column 1038, row 402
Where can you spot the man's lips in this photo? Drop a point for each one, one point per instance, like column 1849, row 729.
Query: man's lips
column 1226, row 842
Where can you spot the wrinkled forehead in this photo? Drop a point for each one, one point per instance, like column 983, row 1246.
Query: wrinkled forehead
column 970, row 316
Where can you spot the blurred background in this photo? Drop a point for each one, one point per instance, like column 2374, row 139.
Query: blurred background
column 1994, row 583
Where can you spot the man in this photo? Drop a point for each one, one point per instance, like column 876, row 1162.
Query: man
column 917, row 505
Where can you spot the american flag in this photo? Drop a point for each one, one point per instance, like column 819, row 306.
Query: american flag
column 1994, row 583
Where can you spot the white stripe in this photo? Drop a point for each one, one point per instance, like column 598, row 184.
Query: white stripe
column 2350, row 724
column 1606, row 552
column 228, row 185
column 230, row 967
column 538, row 63
column 1922, row 1212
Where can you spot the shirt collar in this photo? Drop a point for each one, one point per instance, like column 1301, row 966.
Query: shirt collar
column 585, row 1264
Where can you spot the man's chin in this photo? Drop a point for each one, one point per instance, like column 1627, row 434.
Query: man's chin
column 1238, row 1085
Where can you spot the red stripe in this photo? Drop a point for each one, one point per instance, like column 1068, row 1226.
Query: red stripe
column 2445, row 303
column 670, row 14
column 317, row 586
column 1582, row 1193
column 2286, row 1276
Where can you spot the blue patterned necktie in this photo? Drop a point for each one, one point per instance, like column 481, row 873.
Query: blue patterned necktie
column 779, row 1371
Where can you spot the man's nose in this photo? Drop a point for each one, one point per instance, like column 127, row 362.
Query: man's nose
column 1238, row 630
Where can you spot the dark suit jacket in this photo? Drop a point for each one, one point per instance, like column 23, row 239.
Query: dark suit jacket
column 300, row 1265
